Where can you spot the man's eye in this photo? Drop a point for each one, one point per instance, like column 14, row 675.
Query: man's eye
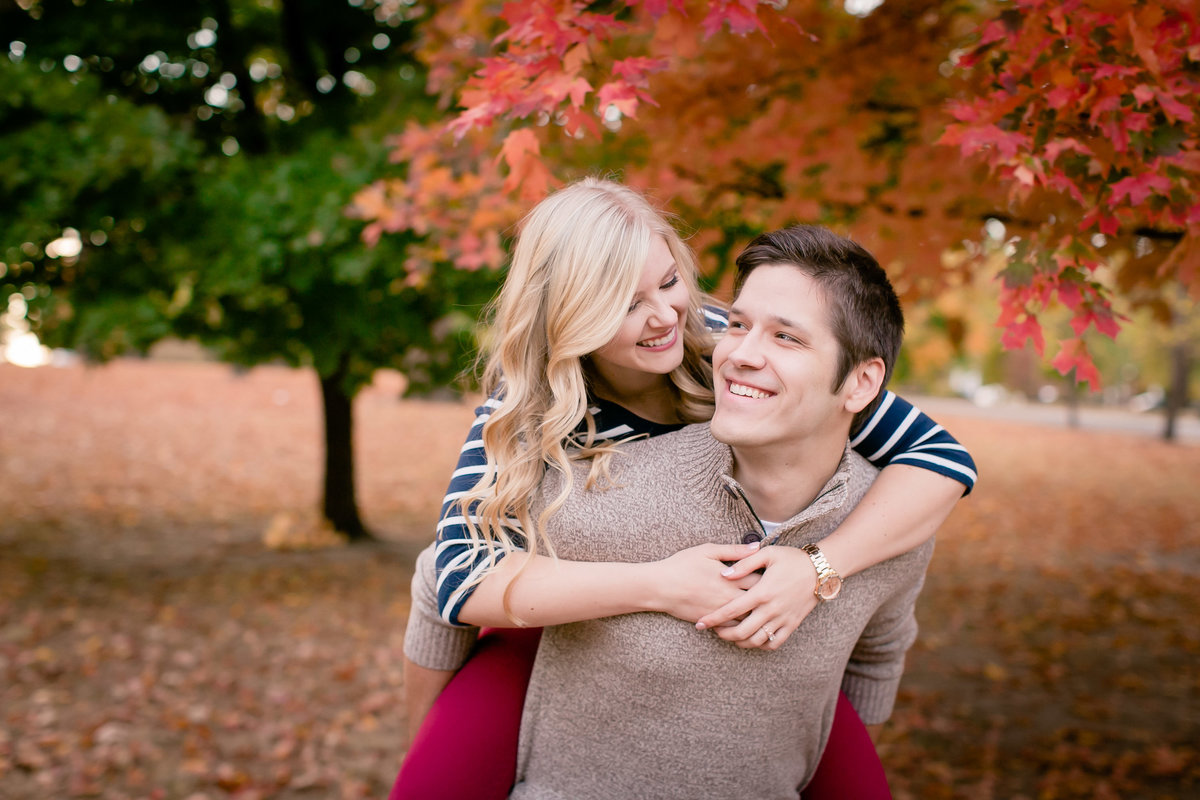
column 741, row 326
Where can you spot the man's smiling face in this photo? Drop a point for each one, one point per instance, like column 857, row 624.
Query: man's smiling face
column 774, row 370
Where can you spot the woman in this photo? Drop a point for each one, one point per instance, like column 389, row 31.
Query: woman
column 600, row 335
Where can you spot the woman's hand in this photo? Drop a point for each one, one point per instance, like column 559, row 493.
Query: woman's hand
column 691, row 583
column 773, row 608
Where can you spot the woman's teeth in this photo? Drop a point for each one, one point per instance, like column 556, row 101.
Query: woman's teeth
column 660, row 341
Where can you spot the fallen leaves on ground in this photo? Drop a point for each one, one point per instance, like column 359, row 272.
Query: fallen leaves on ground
column 153, row 644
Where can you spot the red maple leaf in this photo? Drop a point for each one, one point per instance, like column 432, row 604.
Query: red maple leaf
column 522, row 152
column 1136, row 188
column 1074, row 355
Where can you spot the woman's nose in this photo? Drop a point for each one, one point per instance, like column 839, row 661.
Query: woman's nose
column 663, row 314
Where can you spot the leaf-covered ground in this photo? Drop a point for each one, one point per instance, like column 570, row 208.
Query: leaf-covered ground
column 152, row 647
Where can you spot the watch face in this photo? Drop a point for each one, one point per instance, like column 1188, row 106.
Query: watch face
column 830, row 588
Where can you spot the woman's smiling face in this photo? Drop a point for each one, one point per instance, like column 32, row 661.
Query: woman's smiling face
column 650, row 340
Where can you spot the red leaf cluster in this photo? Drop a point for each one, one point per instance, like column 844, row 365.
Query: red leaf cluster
column 549, row 62
column 455, row 189
column 552, row 60
column 1092, row 102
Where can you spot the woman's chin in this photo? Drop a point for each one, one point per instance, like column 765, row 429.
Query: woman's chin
column 665, row 362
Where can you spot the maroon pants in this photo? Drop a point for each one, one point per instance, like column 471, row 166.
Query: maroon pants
column 467, row 746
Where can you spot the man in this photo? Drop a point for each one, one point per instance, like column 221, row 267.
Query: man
column 643, row 704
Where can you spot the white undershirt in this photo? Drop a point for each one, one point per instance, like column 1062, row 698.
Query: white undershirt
column 770, row 528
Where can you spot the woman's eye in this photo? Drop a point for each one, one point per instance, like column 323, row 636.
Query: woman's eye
column 674, row 280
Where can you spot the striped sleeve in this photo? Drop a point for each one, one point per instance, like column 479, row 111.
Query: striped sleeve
column 899, row 433
column 460, row 559
column 716, row 319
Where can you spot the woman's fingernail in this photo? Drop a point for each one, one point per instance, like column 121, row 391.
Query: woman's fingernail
column 727, row 571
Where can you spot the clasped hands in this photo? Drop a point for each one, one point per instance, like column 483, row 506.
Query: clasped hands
column 739, row 604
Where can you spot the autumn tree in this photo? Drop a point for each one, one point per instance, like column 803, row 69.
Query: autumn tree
column 741, row 116
column 748, row 115
column 1088, row 113
column 185, row 169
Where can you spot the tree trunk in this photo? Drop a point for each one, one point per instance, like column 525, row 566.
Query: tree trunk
column 1072, row 399
column 1177, row 392
column 339, row 503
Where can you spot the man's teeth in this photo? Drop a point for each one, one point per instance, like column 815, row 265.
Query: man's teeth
column 748, row 391
column 659, row 342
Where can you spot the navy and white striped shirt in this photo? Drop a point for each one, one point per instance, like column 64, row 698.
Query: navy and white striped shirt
column 897, row 433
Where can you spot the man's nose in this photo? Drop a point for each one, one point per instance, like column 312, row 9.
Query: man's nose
column 748, row 352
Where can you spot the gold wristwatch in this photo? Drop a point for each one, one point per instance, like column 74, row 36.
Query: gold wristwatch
column 829, row 583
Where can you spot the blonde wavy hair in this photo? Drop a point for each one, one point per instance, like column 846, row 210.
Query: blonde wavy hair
column 575, row 267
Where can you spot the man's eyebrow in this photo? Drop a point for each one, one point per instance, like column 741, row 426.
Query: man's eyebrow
column 776, row 319
column 784, row 322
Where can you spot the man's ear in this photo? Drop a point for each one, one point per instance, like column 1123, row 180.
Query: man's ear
column 863, row 384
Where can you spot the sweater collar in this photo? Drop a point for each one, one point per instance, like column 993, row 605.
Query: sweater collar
column 712, row 472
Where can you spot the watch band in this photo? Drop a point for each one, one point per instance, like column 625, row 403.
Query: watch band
column 829, row 582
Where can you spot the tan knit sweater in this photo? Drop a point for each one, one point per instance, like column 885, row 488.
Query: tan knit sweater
column 646, row 706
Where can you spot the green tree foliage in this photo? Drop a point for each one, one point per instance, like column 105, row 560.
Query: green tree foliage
column 200, row 158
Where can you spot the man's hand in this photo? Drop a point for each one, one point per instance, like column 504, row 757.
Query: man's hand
column 769, row 612
column 690, row 583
